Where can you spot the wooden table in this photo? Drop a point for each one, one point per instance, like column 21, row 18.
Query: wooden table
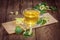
column 49, row 32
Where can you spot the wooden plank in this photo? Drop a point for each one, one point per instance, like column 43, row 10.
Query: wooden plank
column 21, row 3
column 58, row 8
column 15, row 37
column 57, row 2
column 47, row 32
column 35, row 2
column 3, row 9
column 3, row 5
column 24, row 5
column 10, row 26
column 1, row 32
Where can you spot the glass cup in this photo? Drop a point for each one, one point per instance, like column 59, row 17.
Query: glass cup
column 31, row 16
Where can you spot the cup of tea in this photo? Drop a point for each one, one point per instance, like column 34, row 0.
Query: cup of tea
column 31, row 16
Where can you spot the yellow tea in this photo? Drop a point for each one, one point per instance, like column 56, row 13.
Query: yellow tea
column 31, row 16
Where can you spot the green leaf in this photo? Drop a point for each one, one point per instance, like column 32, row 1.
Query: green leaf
column 44, row 21
column 42, row 7
column 42, row 12
column 26, row 34
column 53, row 8
column 18, row 30
column 36, row 7
column 41, row 21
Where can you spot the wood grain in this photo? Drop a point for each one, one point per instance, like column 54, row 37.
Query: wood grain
column 3, row 5
column 3, row 9
column 49, row 32
column 10, row 26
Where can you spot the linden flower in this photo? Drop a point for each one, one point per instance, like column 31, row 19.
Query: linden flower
column 42, row 7
column 46, row 18
column 19, row 20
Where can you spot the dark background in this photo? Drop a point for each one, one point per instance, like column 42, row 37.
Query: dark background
column 49, row 32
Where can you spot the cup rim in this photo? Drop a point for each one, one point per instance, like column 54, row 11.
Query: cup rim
column 30, row 9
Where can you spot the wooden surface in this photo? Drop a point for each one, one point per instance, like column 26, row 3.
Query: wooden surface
column 10, row 26
column 49, row 32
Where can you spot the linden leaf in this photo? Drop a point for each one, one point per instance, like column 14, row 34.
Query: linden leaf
column 18, row 30
column 44, row 21
column 41, row 21
column 42, row 12
column 26, row 33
